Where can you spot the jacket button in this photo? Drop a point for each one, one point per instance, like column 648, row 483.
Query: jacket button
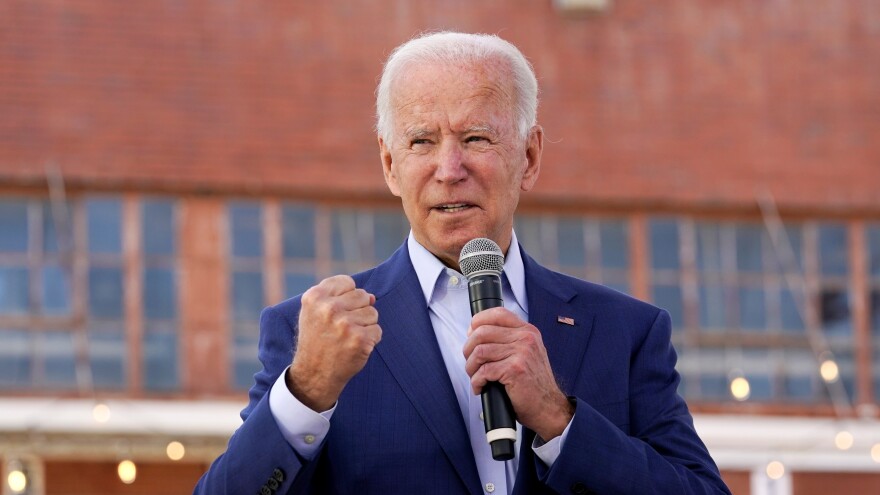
column 579, row 489
column 272, row 484
column 278, row 474
column 265, row 490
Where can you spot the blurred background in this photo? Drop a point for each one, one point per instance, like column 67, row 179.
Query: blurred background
column 168, row 168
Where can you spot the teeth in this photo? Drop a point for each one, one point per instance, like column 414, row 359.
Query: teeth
column 453, row 208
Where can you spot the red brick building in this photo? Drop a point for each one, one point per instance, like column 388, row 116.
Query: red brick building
column 169, row 168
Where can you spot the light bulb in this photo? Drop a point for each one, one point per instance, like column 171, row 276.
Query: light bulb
column 829, row 371
column 875, row 453
column 16, row 480
column 127, row 471
column 775, row 470
column 101, row 412
column 843, row 440
column 175, row 451
column 740, row 388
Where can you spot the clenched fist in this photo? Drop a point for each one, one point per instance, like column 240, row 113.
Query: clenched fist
column 338, row 329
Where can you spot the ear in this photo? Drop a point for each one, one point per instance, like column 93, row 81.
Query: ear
column 534, row 148
column 388, row 167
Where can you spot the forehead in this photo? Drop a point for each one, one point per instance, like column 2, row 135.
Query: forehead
column 457, row 92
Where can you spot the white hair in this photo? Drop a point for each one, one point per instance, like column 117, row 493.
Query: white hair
column 454, row 48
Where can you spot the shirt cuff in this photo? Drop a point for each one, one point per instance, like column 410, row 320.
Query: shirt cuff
column 303, row 428
column 549, row 451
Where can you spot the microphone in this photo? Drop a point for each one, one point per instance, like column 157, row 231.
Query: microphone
column 481, row 261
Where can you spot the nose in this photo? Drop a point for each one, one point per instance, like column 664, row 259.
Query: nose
column 450, row 163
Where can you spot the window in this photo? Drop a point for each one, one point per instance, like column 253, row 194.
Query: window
column 160, row 350
column 872, row 249
column 360, row 239
column 298, row 234
column 596, row 249
column 106, row 290
column 247, row 298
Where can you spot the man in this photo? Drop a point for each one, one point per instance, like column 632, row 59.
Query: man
column 370, row 383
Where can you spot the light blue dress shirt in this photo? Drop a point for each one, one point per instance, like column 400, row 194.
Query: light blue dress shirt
column 446, row 294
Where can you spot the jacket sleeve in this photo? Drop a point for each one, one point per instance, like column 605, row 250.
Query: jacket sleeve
column 662, row 454
column 257, row 457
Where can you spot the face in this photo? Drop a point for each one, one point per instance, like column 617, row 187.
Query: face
column 456, row 159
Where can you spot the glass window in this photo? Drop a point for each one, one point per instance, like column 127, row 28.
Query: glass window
column 15, row 359
column 570, row 242
column 348, row 232
column 297, row 283
column 712, row 307
column 14, row 290
column 13, row 226
column 390, row 230
column 56, row 291
column 158, row 226
column 104, row 225
column 298, row 231
column 160, row 293
column 875, row 313
column 57, row 351
column 528, row 233
column 105, row 292
column 664, row 244
column 791, row 316
column 833, row 252
column 615, row 243
column 107, row 355
column 709, row 247
column 669, row 298
column 749, row 252
column 247, row 296
column 246, row 229
column 873, row 237
column 752, row 313
column 834, row 311
column 160, row 357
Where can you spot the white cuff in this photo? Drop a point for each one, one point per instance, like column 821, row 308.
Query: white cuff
column 303, row 428
column 549, row 451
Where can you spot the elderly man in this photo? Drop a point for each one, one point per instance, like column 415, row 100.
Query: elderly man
column 370, row 383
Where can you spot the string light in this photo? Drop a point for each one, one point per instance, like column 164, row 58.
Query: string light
column 16, row 479
column 775, row 470
column 843, row 440
column 101, row 412
column 740, row 388
column 875, row 453
column 828, row 369
column 175, row 451
column 127, row 471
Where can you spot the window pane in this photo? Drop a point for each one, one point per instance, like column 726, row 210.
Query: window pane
column 14, row 290
column 160, row 294
column 104, row 225
column 615, row 244
column 800, row 380
column 752, row 315
column 58, row 355
column 13, row 226
column 346, row 236
column 15, row 359
column 713, row 386
column 669, row 298
column 160, row 359
column 791, row 317
column 873, row 236
column 712, row 307
column 247, row 296
column 875, row 312
column 297, row 283
column 246, row 229
column 245, row 362
column 833, row 250
column 748, row 248
column 158, row 226
column 50, row 237
column 390, row 229
column 834, row 311
column 528, row 233
column 105, row 292
column 56, row 291
column 107, row 354
column 708, row 247
column 298, row 231
column 664, row 244
column 570, row 238
column 760, row 387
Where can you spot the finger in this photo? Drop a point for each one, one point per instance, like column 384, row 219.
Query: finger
column 355, row 299
column 487, row 353
column 488, row 334
column 500, row 317
column 489, row 372
column 337, row 284
column 365, row 316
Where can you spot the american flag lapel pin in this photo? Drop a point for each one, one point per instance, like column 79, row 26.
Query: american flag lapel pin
column 565, row 319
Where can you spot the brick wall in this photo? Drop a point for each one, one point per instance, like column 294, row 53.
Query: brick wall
column 684, row 103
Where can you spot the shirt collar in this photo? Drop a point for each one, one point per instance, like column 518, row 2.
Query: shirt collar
column 429, row 268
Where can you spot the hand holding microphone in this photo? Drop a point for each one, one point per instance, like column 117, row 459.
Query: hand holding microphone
column 506, row 359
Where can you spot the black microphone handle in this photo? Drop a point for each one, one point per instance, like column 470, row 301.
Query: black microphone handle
column 498, row 416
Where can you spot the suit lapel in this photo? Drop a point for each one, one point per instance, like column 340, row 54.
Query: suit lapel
column 410, row 351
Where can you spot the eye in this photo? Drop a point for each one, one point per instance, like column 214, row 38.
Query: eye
column 476, row 139
column 417, row 142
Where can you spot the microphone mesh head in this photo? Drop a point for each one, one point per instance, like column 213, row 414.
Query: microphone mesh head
column 480, row 255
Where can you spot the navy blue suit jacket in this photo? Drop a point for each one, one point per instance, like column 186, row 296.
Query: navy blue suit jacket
column 398, row 429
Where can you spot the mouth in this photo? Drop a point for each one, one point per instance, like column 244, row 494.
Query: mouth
column 453, row 207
